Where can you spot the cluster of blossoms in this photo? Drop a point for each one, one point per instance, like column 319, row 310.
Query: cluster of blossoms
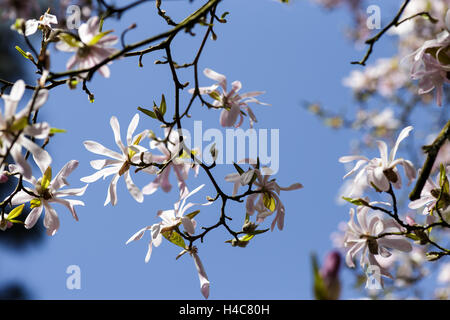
column 93, row 49
column 16, row 135
column 374, row 235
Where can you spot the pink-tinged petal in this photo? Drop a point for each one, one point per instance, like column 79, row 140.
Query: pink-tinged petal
column 22, row 165
column 116, row 129
column 250, row 204
column 72, row 62
column 69, row 204
column 165, row 183
column 112, row 191
column 108, row 40
column 138, row 235
column 352, row 252
column 251, row 94
column 51, row 220
column 228, row 118
column 410, row 171
column 33, row 217
column 403, row 134
column 188, row 225
column 241, row 120
column 135, row 192
column 97, row 148
column 217, row 77
column 235, row 87
column 104, row 71
column 204, row 282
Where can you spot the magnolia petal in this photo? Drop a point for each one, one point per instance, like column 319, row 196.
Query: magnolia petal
column 346, row 159
column 403, row 134
column 131, row 128
column 116, row 130
column 135, row 192
column 51, row 220
column 97, row 148
column 138, row 235
column 60, row 179
column 188, row 225
column 204, row 282
column 217, row 77
column 112, row 191
column 33, row 217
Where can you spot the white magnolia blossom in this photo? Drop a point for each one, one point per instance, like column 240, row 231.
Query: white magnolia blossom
column 382, row 171
column 32, row 25
column 362, row 237
column 429, row 196
column 15, row 130
column 267, row 200
column 92, row 47
column 181, row 165
column 233, row 103
column 120, row 163
column 171, row 219
column 44, row 192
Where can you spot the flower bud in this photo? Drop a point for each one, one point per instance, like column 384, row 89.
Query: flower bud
column 3, row 178
column 330, row 275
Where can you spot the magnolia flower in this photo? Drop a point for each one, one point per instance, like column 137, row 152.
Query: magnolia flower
column 431, row 75
column 428, row 197
column 91, row 48
column 120, row 163
column 382, row 171
column 170, row 219
column 14, row 129
column 430, row 63
column 233, row 104
column 266, row 201
column 171, row 155
column 45, row 21
column 364, row 238
column 46, row 191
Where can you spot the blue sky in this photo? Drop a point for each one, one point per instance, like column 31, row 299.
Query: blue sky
column 294, row 53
